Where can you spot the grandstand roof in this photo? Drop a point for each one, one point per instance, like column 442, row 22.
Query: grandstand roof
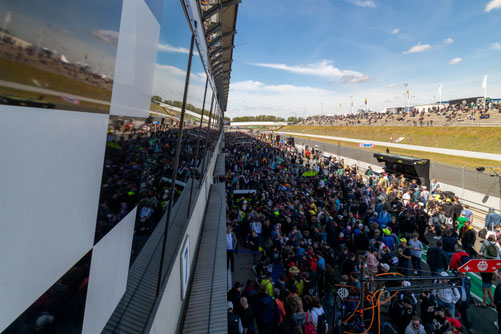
column 220, row 18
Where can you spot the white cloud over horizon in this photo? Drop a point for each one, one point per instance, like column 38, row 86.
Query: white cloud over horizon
column 493, row 4
column 418, row 48
column 496, row 46
column 448, row 41
column 455, row 61
column 323, row 68
column 251, row 98
column 395, row 31
column 166, row 47
column 363, row 3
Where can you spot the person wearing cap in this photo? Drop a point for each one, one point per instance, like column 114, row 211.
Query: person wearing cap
column 454, row 326
column 492, row 219
column 447, row 297
column 267, row 283
column 439, row 322
column 388, row 239
column 385, row 267
column 234, row 323
column 448, row 209
column 468, row 239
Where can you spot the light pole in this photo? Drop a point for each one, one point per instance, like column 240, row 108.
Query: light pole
column 351, row 97
column 405, row 100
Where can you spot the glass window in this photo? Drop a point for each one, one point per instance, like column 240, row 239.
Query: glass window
column 58, row 54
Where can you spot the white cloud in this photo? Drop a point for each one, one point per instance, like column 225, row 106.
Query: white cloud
column 172, row 70
column 107, row 36
column 448, row 41
column 363, row 3
column 258, row 86
column 169, row 80
column 493, row 4
column 496, row 46
column 395, row 31
column 321, row 69
column 391, row 85
column 418, row 48
column 165, row 47
column 455, row 61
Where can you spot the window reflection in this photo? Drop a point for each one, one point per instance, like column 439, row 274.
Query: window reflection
column 61, row 308
column 59, row 53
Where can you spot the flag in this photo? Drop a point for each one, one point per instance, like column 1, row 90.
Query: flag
column 340, row 106
column 352, row 103
column 440, row 89
column 484, row 82
column 407, row 92
column 365, row 101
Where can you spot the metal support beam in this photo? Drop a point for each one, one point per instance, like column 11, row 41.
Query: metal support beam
column 229, row 33
column 215, row 9
column 231, row 3
column 195, row 167
column 212, row 29
column 176, row 163
column 214, row 42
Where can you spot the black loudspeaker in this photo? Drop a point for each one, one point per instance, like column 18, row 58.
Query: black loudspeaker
column 290, row 141
column 277, row 138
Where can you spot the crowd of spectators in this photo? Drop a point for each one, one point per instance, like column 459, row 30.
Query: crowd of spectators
column 427, row 116
column 138, row 169
column 311, row 235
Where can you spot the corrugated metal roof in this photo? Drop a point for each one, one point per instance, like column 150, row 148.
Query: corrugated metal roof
column 207, row 305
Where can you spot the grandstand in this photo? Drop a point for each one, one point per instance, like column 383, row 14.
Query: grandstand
column 447, row 115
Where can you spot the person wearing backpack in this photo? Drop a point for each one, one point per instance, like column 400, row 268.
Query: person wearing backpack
column 298, row 318
column 318, row 316
column 490, row 248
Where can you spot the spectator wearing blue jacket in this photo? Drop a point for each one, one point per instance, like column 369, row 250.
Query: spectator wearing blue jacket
column 492, row 219
column 384, row 218
column 389, row 240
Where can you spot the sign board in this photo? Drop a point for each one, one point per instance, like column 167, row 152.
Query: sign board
column 309, row 173
column 480, row 266
column 185, row 266
column 365, row 145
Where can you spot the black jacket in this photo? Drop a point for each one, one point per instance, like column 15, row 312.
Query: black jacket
column 437, row 258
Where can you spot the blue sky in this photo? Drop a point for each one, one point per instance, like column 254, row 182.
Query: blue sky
column 301, row 57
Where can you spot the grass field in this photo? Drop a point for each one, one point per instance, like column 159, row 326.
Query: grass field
column 480, row 139
column 24, row 74
column 440, row 158
column 57, row 100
